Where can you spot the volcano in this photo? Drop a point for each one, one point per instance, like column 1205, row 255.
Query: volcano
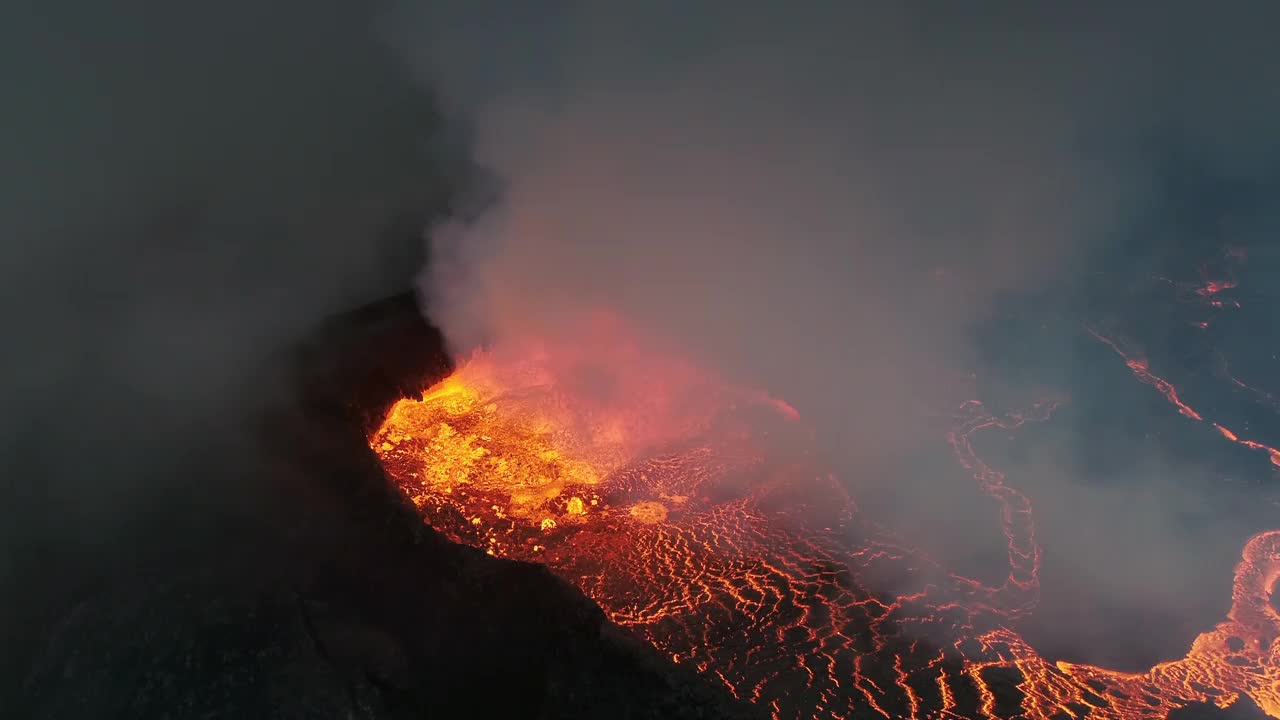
column 293, row 581
column 696, row 514
column 591, row 529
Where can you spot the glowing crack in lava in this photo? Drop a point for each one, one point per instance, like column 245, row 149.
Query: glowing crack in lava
column 1142, row 370
column 694, row 513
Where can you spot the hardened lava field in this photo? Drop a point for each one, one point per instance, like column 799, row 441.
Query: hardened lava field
column 693, row 513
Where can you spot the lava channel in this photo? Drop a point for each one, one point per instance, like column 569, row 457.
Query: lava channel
column 695, row 513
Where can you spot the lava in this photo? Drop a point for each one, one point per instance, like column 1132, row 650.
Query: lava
column 1142, row 371
column 696, row 514
column 1204, row 292
column 1258, row 394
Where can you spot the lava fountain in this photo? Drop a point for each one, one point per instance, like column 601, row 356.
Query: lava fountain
column 696, row 513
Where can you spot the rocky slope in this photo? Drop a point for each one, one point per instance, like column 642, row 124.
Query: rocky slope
column 290, row 581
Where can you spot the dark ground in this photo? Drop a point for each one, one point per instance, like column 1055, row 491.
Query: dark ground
column 299, row 585
column 185, row 186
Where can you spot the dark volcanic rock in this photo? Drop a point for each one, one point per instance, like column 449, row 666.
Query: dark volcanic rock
column 1242, row 709
column 300, row 584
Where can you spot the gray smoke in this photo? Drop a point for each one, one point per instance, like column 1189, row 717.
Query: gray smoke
column 187, row 187
column 824, row 199
column 829, row 187
column 184, row 188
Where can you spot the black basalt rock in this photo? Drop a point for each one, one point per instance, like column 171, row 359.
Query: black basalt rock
column 317, row 592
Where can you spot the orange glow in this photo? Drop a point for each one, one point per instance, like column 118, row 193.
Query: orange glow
column 1213, row 287
column 1258, row 394
column 1166, row 388
column 1202, row 292
column 1142, row 371
column 694, row 513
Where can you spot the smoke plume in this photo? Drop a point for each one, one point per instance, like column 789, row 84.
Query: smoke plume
column 828, row 199
column 188, row 187
column 817, row 193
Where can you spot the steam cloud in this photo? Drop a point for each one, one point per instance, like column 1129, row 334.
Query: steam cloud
column 827, row 187
column 819, row 199
column 187, row 188
column 826, row 199
column 174, row 210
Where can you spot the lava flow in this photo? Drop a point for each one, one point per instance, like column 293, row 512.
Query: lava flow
column 1142, row 370
column 695, row 513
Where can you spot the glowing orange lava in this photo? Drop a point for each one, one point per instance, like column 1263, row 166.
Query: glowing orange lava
column 694, row 513
column 1204, row 291
column 1141, row 371
column 1259, row 395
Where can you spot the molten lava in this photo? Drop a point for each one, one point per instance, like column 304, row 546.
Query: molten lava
column 694, row 513
column 1142, row 371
